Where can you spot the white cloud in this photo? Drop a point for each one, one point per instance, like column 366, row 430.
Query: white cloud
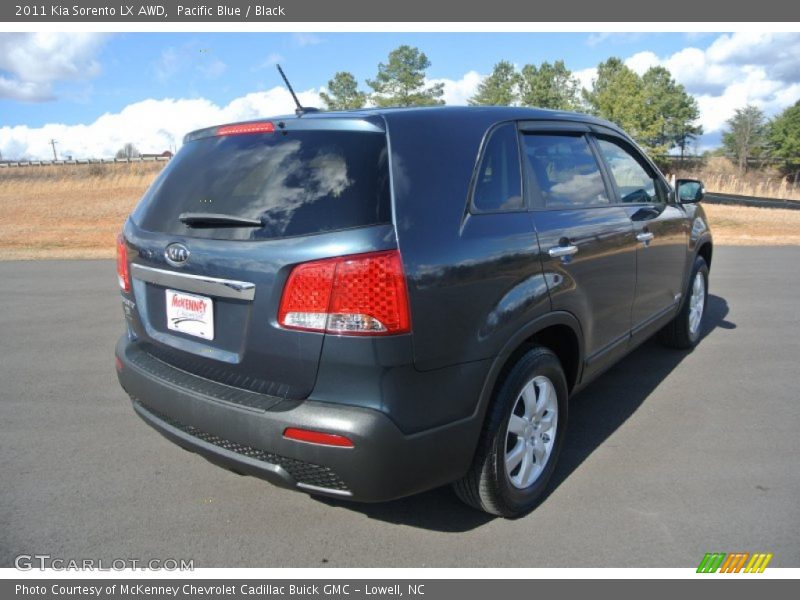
column 151, row 125
column 586, row 77
column 26, row 91
column 30, row 63
column 641, row 61
column 458, row 91
column 739, row 69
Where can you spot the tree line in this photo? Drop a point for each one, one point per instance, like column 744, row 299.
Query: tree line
column 653, row 108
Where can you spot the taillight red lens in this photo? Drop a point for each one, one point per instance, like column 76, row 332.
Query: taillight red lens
column 369, row 295
column 363, row 294
column 317, row 437
column 123, row 274
column 245, row 128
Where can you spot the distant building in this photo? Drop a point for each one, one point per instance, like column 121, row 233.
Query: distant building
column 164, row 154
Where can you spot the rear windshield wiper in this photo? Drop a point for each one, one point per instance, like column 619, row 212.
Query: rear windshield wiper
column 199, row 220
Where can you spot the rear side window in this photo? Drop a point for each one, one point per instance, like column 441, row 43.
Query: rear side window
column 634, row 183
column 294, row 182
column 498, row 184
column 564, row 172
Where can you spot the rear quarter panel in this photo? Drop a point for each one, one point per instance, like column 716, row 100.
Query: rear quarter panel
column 474, row 279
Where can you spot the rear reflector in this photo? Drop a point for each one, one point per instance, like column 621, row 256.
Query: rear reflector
column 123, row 274
column 118, row 363
column 362, row 294
column 317, row 437
column 245, row 128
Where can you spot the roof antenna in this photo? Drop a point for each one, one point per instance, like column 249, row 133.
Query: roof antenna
column 300, row 110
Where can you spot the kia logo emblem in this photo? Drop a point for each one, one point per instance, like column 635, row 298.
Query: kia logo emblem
column 176, row 254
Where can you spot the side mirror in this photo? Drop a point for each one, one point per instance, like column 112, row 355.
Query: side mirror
column 690, row 191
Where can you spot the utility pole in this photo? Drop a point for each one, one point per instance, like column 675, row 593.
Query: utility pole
column 53, row 144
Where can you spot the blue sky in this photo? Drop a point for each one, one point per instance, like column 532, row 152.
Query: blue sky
column 95, row 91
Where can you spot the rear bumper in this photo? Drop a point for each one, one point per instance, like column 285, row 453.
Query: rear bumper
column 243, row 431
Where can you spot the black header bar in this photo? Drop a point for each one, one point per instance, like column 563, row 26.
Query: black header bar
column 441, row 11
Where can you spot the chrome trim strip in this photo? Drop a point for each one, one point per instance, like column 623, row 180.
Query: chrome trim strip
column 200, row 284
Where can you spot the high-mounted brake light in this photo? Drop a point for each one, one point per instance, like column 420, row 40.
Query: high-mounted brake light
column 245, row 128
column 362, row 294
column 317, row 437
column 123, row 274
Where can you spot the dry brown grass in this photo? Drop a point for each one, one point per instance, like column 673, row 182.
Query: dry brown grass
column 69, row 211
column 747, row 226
column 720, row 175
column 75, row 211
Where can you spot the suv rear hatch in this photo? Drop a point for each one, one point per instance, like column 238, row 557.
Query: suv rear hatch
column 212, row 243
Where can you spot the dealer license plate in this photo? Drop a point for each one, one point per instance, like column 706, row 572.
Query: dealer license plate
column 190, row 314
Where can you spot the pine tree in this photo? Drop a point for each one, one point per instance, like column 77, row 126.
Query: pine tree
column 344, row 93
column 549, row 86
column 499, row 88
column 401, row 81
column 619, row 95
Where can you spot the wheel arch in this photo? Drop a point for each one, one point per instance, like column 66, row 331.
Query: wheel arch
column 705, row 249
column 558, row 331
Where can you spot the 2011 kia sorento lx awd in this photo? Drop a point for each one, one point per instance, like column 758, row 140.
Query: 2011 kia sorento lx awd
column 374, row 303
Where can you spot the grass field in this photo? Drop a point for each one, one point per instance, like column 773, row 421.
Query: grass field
column 746, row 226
column 69, row 211
column 723, row 177
column 75, row 211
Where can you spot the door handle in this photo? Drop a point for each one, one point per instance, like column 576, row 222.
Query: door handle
column 562, row 251
column 645, row 237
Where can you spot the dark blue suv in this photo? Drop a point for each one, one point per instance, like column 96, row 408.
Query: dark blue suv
column 374, row 303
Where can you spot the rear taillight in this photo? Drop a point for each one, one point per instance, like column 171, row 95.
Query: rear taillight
column 363, row 294
column 123, row 274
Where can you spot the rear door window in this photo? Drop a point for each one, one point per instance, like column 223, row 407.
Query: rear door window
column 294, row 182
column 498, row 182
column 563, row 172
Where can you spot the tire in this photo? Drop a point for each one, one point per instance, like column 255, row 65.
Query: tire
column 685, row 330
column 490, row 485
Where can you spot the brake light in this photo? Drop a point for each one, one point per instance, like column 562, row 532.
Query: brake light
column 245, row 128
column 123, row 274
column 317, row 437
column 362, row 294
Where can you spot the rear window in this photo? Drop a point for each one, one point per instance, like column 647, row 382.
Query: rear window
column 294, row 182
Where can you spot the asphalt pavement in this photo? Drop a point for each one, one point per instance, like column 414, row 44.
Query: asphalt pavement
column 669, row 455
